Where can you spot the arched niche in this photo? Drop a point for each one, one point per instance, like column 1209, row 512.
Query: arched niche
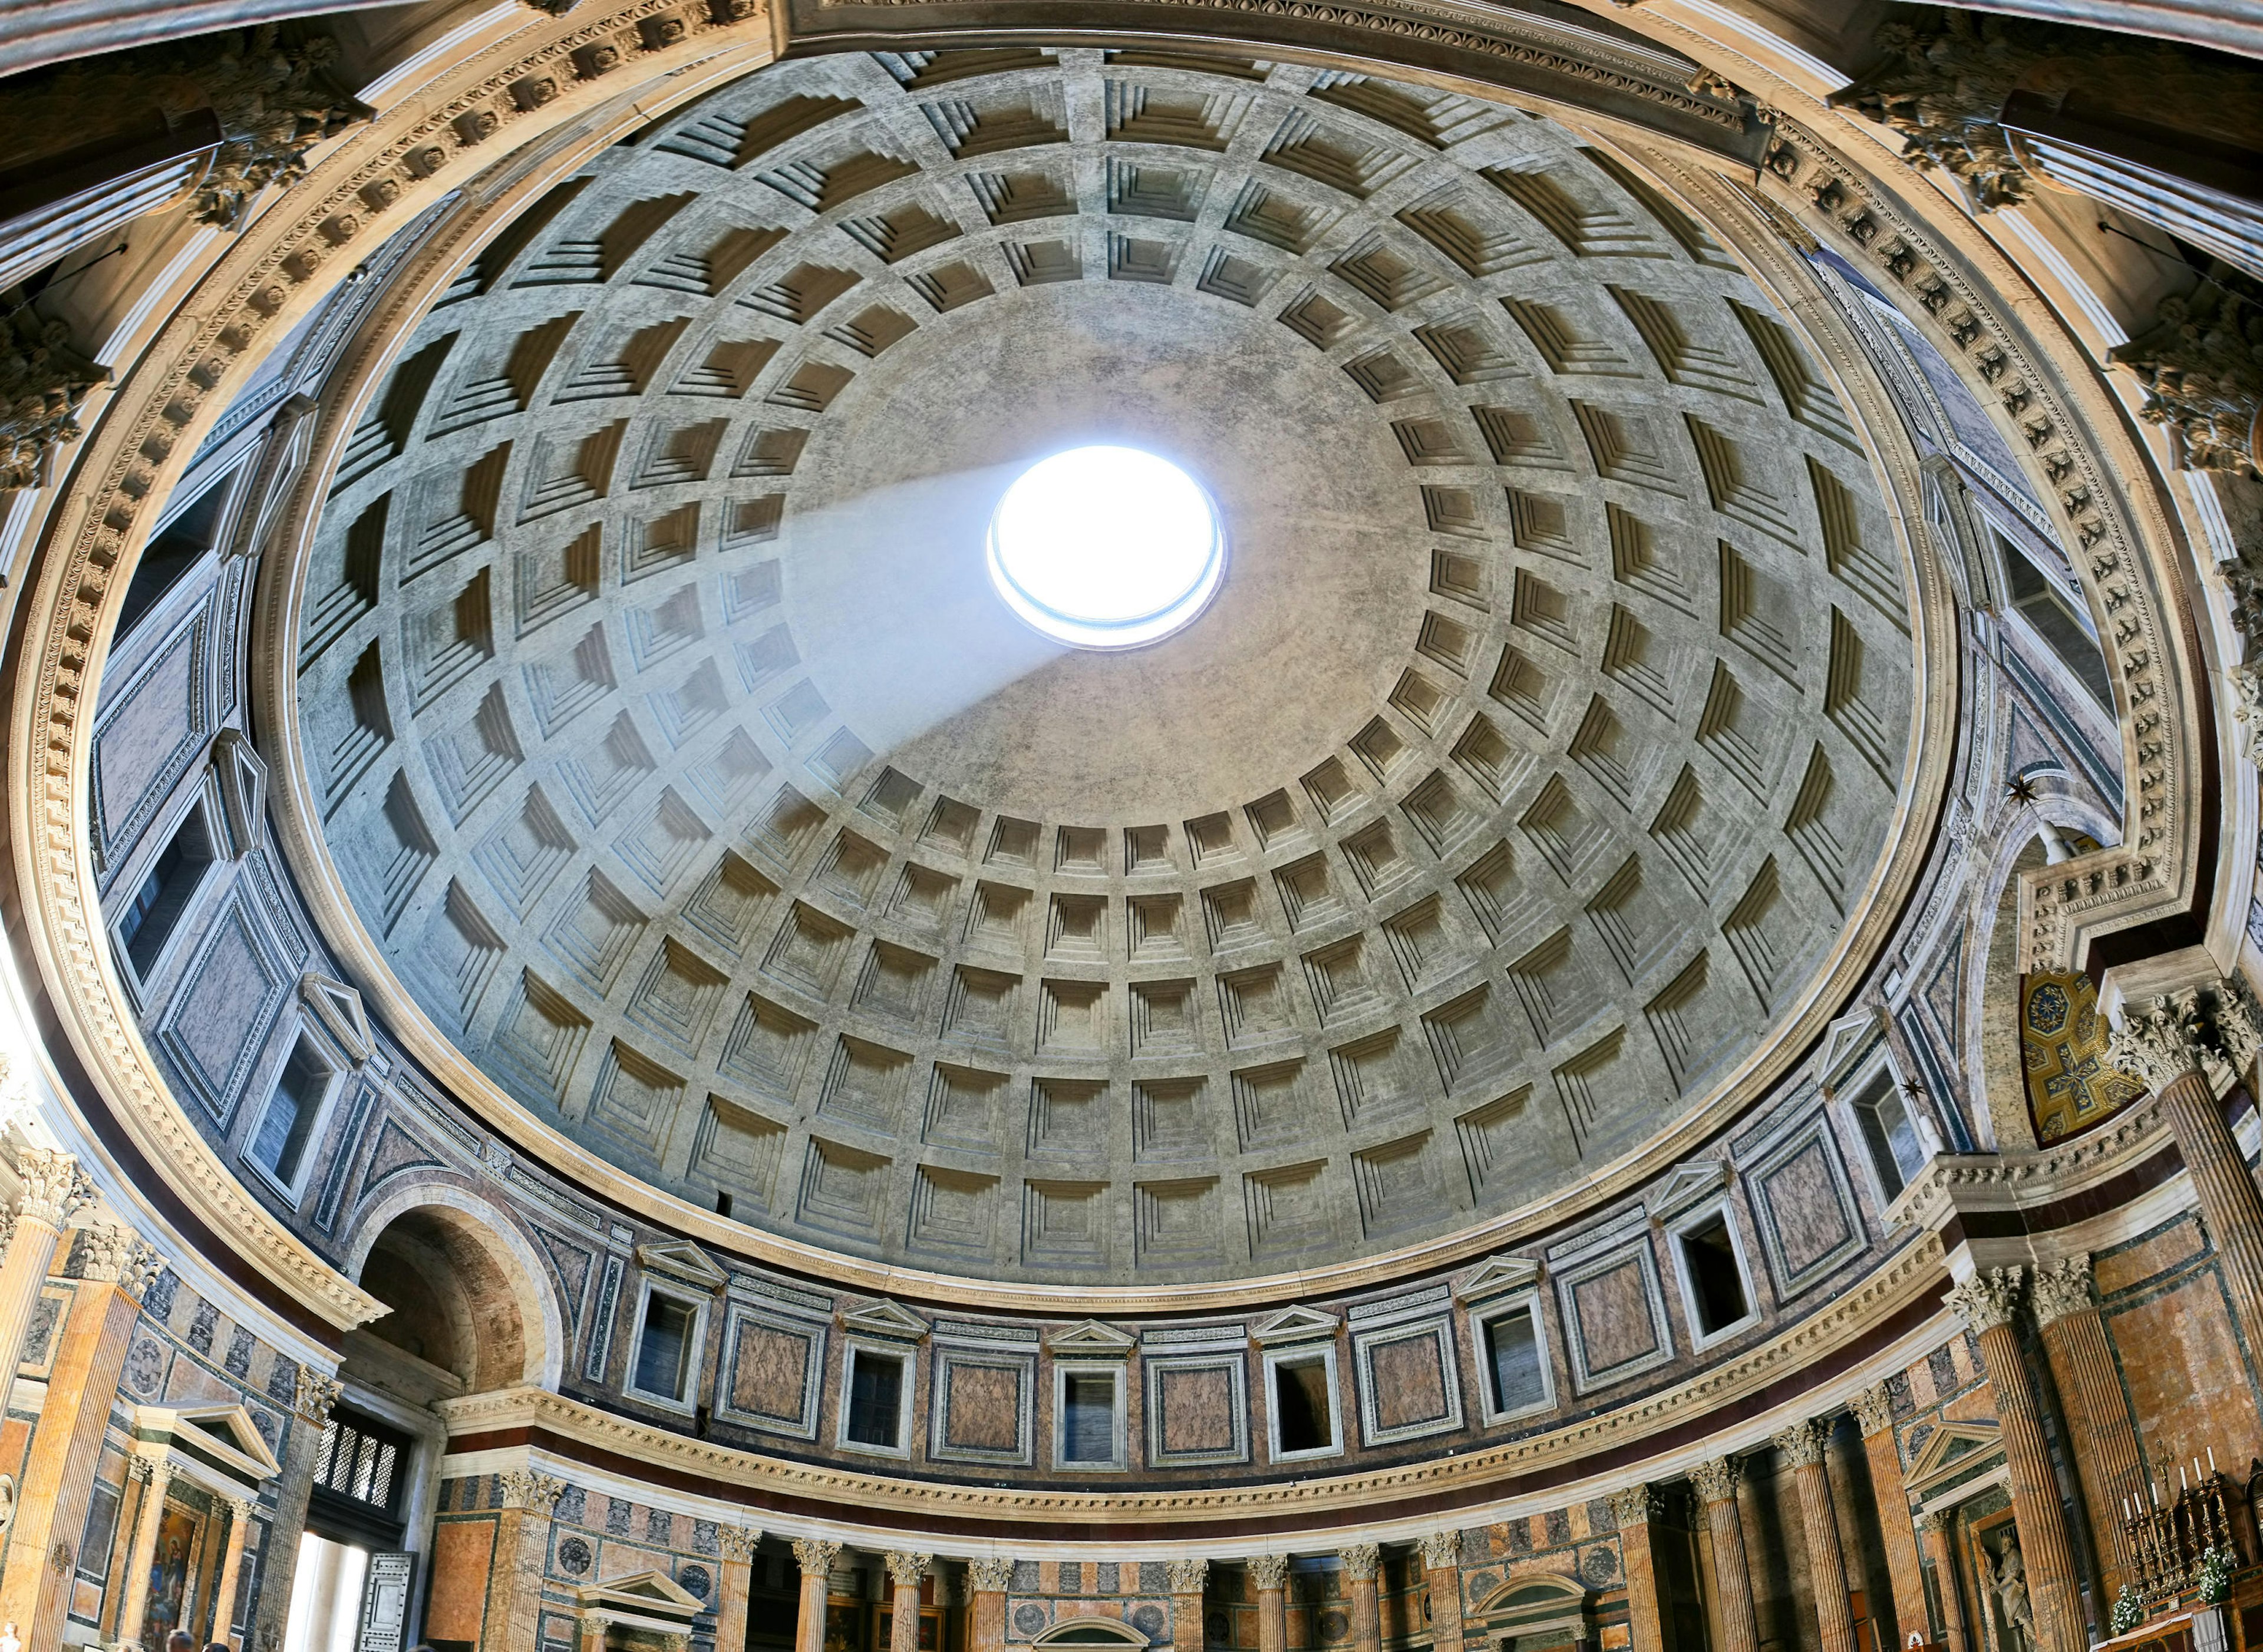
column 1535, row 1611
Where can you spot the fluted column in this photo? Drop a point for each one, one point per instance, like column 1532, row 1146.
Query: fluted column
column 1932, row 1533
column 905, row 1573
column 593, row 1626
column 2164, row 1043
column 1986, row 1303
column 153, row 1478
column 1632, row 1508
column 1188, row 1576
column 737, row 1582
column 1441, row 1559
column 294, row 1489
column 989, row 1577
column 1874, row 1414
column 1269, row 1573
column 815, row 1557
column 1804, row 1445
column 55, row 1189
column 522, row 1545
column 2104, row 1444
column 115, row 1267
column 231, row 1572
column 1715, row 1485
column 1362, row 1562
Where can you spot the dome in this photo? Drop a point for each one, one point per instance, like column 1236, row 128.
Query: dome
column 1502, row 809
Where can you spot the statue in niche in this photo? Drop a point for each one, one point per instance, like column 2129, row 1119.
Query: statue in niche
column 2008, row 1580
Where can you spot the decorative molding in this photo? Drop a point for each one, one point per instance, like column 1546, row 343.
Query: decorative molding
column 43, row 385
column 2161, row 1042
column 2064, row 1287
column 906, row 1570
column 525, row 1489
column 315, row 1395
column 1269, row 1571
column 1715, row 1479
column 739, row 1542
column 815, row 1556
column 1360, row 1561
column 54, row 1188
column 1803, row 1442
column 1874, row 1409
column 992, row 1574
column 1441, row 1551
column 1636, row 1506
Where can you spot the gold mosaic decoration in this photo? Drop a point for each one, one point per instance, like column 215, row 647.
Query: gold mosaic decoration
column 2063, row 1041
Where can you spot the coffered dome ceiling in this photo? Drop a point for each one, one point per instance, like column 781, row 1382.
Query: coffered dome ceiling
column 677, row 755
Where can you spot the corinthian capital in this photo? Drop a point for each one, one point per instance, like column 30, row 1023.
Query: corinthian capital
column 1442, row 1550
column 992, row 1574
column 2064, row 1287
column 54, row 1188
column 1715, row 1479
column 1188, row 1576
column 1874, row 1408
column 1988, row 1300
column 525, row 1489
column 1802, row 1443
column 1270, row 1571
column 1634, row 1505
column 1360, row 1560
column 316, row 1395
column 117, row 1255
column 815, row 1555
column 2161, row 1042
column 739, row 1541
column 908, row 1571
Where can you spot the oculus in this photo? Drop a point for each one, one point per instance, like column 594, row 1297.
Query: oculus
column 1106, row 547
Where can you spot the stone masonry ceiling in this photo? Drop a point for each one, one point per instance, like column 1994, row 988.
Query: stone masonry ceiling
column 675, row 752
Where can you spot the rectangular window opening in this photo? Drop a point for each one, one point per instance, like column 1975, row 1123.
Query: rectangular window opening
column 1890, row 1133
column 1301, row 1410
column 1716, row 1283
column 664, row 1351
column 875, row 1396
column 1088, row 1417
column 280, row 1143
column 2052, row 613
column 165, row 891
column 1513, row 1350
column 176, row 550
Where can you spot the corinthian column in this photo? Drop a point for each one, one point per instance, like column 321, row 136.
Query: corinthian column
column 2104, row 1444
column 1933, row 1532
column 115, row 1267
column 231, row 1570
column 738, row 1543
column 154, row 1478
column 905, row 1573
column 1441, row 1559
column 1632, row 1507
column 2164, row 1043
column 1804, row 1445
column 989, row 1577
column 815, row 1557
column 1986, row 1303
column 522, row 1544
column 1715, row 1485
column 1269, row 1573
column 1188, row 1578
column 1874, row 1413
column 54, row 1190
column 294, row 1490
column 1361, row 1561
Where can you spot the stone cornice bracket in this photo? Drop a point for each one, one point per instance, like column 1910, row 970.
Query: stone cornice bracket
column 739, row 1541
column 1269, row 1571
column 1715, row 1479
column 1988, row 1300
column 1635, row 1506
column 815, row 1555
column 54, row 1188
column 1187, row 1576
column 906, row 1571
column 2064, row 1287
column 994, row 1574
column 1360, row 1560
column 1802, row 1443
column 525, row 1489
column 1442, row 1550
column 1874, row 1408
column 315, row 1397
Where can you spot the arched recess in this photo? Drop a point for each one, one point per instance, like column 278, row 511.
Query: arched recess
column 466, row 1291
column 1538, row 1609
column 1091, row 1632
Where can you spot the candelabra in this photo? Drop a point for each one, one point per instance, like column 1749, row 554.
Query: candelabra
column 2170, row 1536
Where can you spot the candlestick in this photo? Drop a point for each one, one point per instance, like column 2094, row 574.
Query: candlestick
column 2212, row 1459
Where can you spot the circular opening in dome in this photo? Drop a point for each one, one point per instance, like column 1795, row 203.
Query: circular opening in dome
column 1106, row 547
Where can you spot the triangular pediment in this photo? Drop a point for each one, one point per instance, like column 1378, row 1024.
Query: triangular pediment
column 224, row 1435
column 1295, row 1325
column 243, row 775
column 1497, row 1276
column 339, row 1008
column 1953, row 1449
column 1091, row 1336
column 681, row 1260
column 651, row 1594
column 884, row 1318
column 1686, row 1183
column 1845, row 1041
